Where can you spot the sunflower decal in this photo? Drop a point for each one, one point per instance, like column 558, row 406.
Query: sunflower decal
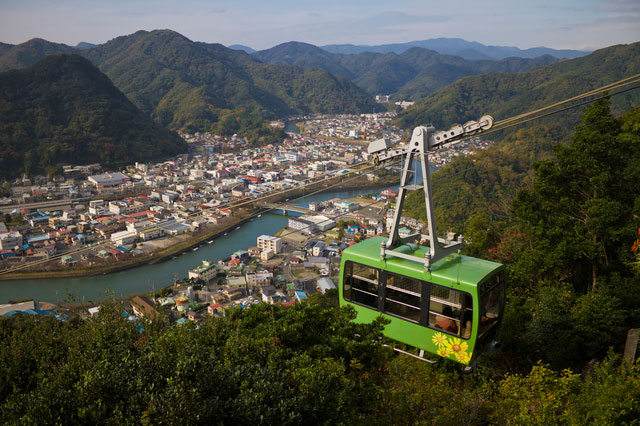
column 452, row 346
column 439, row 339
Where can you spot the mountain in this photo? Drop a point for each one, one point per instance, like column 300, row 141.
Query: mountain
column 85, row 45
column 305, row 55
column 187, row 85
column 247, row 49
column 64, row 110
column 455, row 46
column 5, row 47
column 410, row 75
column 28, row 53
column 506, row 94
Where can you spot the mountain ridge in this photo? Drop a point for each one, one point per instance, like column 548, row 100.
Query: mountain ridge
column 63, row 110
column 410, row 75
column 458, row 47
column 506, row 94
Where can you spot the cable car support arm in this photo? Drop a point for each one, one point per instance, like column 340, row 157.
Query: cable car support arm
column 423, row 140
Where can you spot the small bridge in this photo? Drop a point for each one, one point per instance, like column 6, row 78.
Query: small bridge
column 284, row 207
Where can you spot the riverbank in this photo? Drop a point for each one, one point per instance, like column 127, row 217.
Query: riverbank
column 151, row 259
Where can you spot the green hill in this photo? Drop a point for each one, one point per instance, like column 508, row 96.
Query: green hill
column 64, row 110
column 410, row 75
column 503, row 95
column 187, row 85
column 28, row 53
column 195, row 86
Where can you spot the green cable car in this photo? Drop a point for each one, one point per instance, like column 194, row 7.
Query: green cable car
column 436, row 300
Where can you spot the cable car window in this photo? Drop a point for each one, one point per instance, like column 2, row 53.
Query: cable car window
column 491, row 302
column 450, row 310
column 402, row 296
column 361, row 284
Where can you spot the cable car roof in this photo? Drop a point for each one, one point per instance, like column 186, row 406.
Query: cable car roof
column 455, row 267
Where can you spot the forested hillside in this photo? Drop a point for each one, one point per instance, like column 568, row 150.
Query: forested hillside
column 192, row 86
column 504, row 95
column 187, row 85
column 64, row 110
column 28, row 53
column 411, row 75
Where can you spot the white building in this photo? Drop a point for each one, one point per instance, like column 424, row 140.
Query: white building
column 237, row 282
column 108, row 179
column 205, row 272
column 324, row 284
column 259, row 279
column 270, row 242
column 266, row 254
column 124, row 237
column 10, row 240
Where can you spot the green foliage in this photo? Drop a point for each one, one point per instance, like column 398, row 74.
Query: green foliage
column 579, row 215
column 264, row 365
column 63, row 110
column 505, row 95
column 484, row 185
column 194, row 86
column 411, row 75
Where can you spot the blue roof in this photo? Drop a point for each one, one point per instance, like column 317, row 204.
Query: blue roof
column 38, row 238
column 29, row 312
column 301, row 294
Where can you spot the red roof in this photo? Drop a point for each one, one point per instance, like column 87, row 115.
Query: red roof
column 289, row 303
column 215, row 306
column 140, row 214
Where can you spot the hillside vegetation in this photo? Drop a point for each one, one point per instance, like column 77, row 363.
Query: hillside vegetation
column 187, row 85
column 504, row 95
column 64, row 110
column 190, row 86
column 411, row 75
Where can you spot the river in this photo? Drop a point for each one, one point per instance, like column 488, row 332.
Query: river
column 145, row 278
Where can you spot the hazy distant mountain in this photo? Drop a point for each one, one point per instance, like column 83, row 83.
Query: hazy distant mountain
column 305, row 55
column 455, row 46
column 27, row 53
column 84, row 45
column 4, row 47
column 503, row 95
column 183, row 84
column 411, row 75
column 241, row 47
column 64, row 110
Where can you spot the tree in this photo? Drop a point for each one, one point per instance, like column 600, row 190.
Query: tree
column 580, row 211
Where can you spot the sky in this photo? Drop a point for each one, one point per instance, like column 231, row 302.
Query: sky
column 261, row 24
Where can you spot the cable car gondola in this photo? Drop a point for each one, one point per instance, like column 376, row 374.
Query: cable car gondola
column 436, row 299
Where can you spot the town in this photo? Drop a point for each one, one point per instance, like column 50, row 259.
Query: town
column 91, row 220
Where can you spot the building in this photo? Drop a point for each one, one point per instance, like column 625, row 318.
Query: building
column 237, row 282
column 108, row 179
column 150, row 234
column 269, row 242
column 346, row 205
column 124, row 237
column 324, row 284
column 266, row 254
column 10, row 240
column 143, row 307
column 259, row 279
column 205, row 272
